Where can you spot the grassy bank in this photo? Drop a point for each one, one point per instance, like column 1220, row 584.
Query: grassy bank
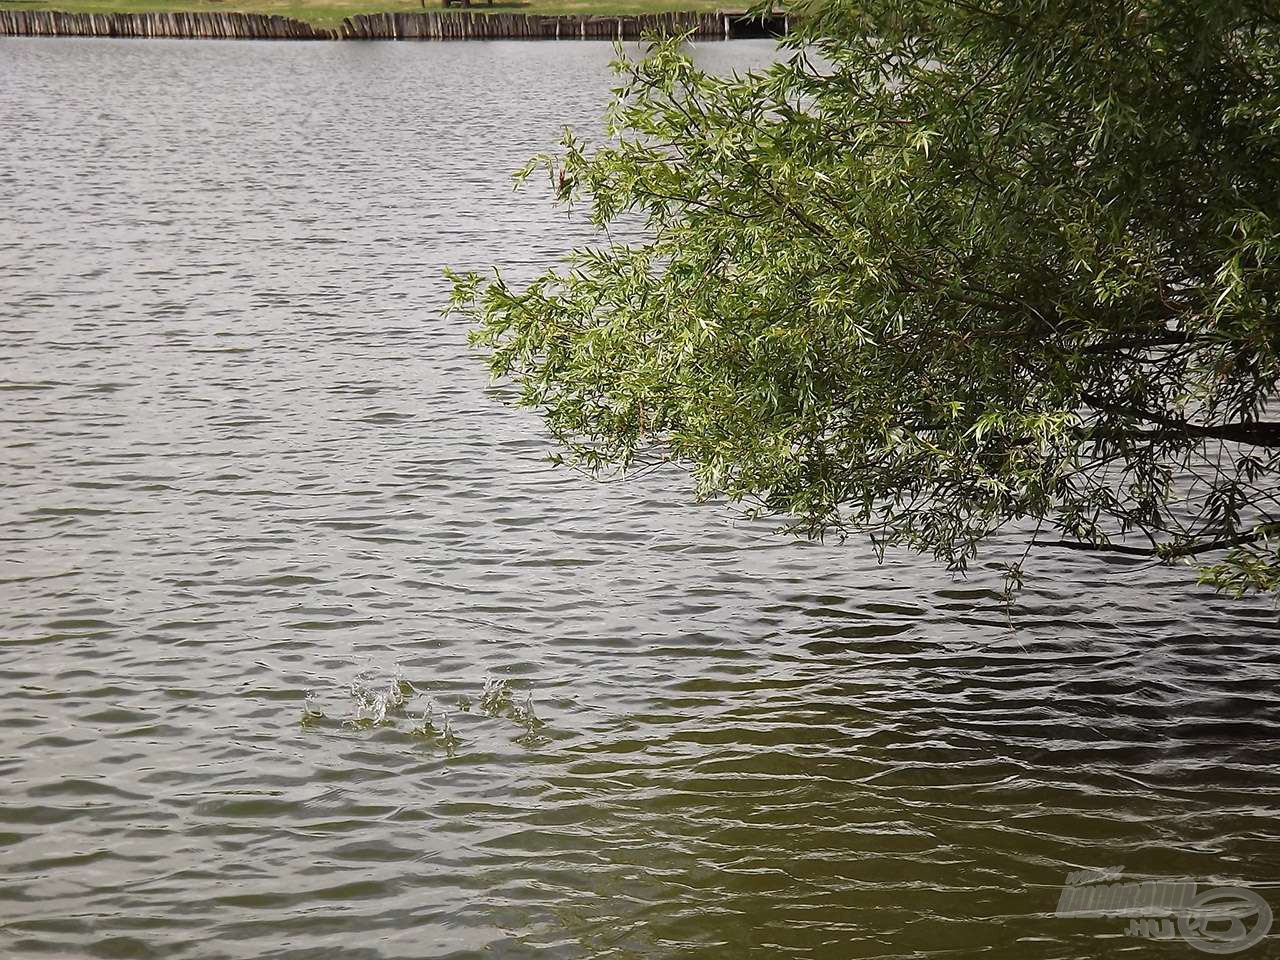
column 329, row 12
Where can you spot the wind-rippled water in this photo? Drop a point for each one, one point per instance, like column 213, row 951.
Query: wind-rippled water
column 246, row 459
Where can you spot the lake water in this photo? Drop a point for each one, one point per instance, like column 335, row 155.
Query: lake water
column 245, row 458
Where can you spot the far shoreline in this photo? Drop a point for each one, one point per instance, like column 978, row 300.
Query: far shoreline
column 474, row 23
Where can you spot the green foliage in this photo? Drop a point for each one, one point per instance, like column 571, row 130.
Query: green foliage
column 947, row 267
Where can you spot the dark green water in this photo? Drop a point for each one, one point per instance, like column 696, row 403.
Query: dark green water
column 244, row 458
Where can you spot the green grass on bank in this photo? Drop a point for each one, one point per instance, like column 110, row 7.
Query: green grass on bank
column 329, row 12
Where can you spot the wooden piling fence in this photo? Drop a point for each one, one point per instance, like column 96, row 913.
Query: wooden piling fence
column 219, row 26
column 442, row 25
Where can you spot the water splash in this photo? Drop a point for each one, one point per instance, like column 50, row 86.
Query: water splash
column 524, row 713
column 376, row 699
column 495, row 698
column 447, row 734
column 527, row 717
column 311, row 712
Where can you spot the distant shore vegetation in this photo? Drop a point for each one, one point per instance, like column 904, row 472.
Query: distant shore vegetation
column 330, row 12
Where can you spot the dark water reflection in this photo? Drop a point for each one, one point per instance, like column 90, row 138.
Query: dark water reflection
column 244, row 458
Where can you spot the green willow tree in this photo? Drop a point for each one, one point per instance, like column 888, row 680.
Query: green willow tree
column 947, row 267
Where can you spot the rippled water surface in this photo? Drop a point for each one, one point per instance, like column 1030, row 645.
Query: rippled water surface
column 245, row 458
